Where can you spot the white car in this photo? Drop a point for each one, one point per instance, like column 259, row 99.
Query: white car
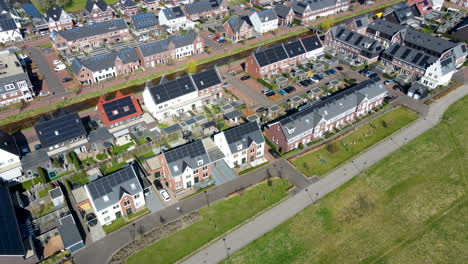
column 60, row 67
column 165, row 195
column 57, row 62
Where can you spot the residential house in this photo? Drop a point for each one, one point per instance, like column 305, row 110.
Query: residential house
column 185, row 166
column 238, row 28
column 31, row 161
column 71, row 237
column 98, row 11
column 175, row 19
column 58, row 19
column 10, row 165
column 89, row 37
column 243, row 144
column 281, row 58
column 285, row 14
column 17, row 245
column 15, row 85
column 261, row 2
column 423, row 6
column 462, row 3
column 170, row 49
column 150, row 5
column 437, row 4
column 117, row 194
column 439, row 73
column 10, row 27
column 401, row 14
column 144, row 26
column 314, row 121
column 264, row 21
column 128, row 8
column 93, row 70
column 309, row 10
column 63, row 133
column 120, row 112
column 189, row 92
column 358, row 24
column 360, row 47
column 206, row 9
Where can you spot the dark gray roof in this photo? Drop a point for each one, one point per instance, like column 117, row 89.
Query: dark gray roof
column 414, row 57
column 308, row 117
column 172, row 89
column 243, row 135
column 294, row 48
column 311, row 42
column 200, row 7
column 402, row 14
column 206, row 78
column 69, row 231
column 101, row 4
column 55, row 193
column 100, row 134
column 282, row 10
column 427, row 41
column 7, row 22
column 360, row 22
column 368, row 47
column 236, row 23
column 172, row 129
column 34, row 159
column 143, row 21
column 233, row 114
column 127, row 3
column 271, row 55
column 14, row 79
column 105, row 61
column 384, row 26
column 55, row 12
column 186, row 156
column 93, row 30
column 174, row 12
column 109, row 189
column 300, row 6
column 267, row 15
column 10, row 243
column 162, row 45
column 60, row 129
column 8, row 143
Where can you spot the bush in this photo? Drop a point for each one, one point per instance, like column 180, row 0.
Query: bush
column 266, row 84
column 56, row 162
column 42, row 174
column 301, row 146
column 332, row 148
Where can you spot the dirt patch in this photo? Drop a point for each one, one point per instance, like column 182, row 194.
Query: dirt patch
column 156, row 234
column 357, row 208
column 54, row 245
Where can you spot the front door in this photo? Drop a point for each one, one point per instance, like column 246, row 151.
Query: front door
column 129, row 211
column 118, row 214
column 243, row 160
column 189, row 184
column 196, row 179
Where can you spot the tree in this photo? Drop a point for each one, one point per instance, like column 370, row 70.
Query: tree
column 42, row 174
column 56, row 162
column 191, row 66
column 327, row 24
column 75, row 160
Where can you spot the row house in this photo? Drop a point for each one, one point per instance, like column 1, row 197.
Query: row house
column 117, row 195
column 401, row 13
column 120, row 111
column 10, row 165
column 272, row 61
column 243, row 144
column 264, row 21
column 174, row 19
column 186, row 93
column 170, row 49
column 309, row 10
column 58, row 19
column 15, row 85
column 128, row 8
column 261, row 2
column 185, row 166
column 89, row 37
column 411, row 61
column 423, row 6
column 439, row 73
column 314, row 121
column 462, row 3
column 358, row 24
column 98, row 11
column 150, row 5
column 206, row 9
column 238, row 28
column 285, row 14
column 145, row 26
column 359, row 46
column 93, row 70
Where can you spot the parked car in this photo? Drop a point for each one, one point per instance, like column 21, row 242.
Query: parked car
column 388, row 82
column 304, row 83
column 245, row 77
column 271, row 93
column 47, row 51
column 289, row 89
column 368, row 73
column 275, row 154
column 322, row 75
column 314, row 79
column 265, row 91
column 363, row 71
column 331, row 72
column 397, row 87
column 57, row 62
column 60, row 67
column 158, row 184
column 225, row 84
column 211, row 35
column 43, row 93
column 65, row 80
column 165, row 195
column 261, row 110
column 339, row 68
column 282, row 92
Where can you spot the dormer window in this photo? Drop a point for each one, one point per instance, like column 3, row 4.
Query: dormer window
column 239, row 147
column 56, row 132
column 176, row 169
column 115, row 112
column 200, row 161
column 126, row 108
column 106, row 198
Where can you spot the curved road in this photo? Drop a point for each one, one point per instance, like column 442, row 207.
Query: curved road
column 242, row 236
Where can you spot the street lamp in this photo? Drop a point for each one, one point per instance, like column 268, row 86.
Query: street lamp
column 206, row 197
column 307, row 191
column 225, row 246
column 134, row 231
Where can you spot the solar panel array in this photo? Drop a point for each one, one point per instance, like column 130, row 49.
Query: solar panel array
column 104, row 185
column 271, row 55
column 145, row 20
column 206, row 79
column 119, row 108
column 395, row 49
column 190, row 150
column 62, row 129
column 294, row 48
column 93, row 30
column 311, row 42
column 10, row 242
column 237, row 133
column 172, row 89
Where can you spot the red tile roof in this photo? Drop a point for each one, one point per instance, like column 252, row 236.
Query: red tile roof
column 120, row 100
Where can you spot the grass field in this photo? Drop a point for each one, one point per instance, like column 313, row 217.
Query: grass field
column 74, row 5
column 326, row 158
column 217, row 219
column 410, row 207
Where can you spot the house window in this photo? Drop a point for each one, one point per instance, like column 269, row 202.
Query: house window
column 187, row 177
column 136, row 196
column 9, row 86
column 195, row 171
column 115, row 207
column 252, row 150
column 106, row 219
column 205, row 175
column 239, row 147
column 205, row 167
column 127, row 203
column 103, row 213
column 200, row 162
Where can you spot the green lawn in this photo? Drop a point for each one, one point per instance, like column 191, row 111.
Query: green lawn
column 45, row 192
column 324, row 159
column 411, row 207
column 116, row 150
column 115, row 225
column 101, row 156
column 217, row 219
column 115, row 166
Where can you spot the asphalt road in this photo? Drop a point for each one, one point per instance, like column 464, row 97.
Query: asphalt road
column 242, row 236
column 100, row 251
column 54, row 84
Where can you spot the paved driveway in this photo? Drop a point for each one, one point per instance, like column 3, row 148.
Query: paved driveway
column 221, row 172
column 53, row 82
column 153, row 203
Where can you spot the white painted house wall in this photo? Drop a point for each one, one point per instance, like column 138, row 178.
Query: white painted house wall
column 164, row 110
column 10, row 166
column 262, row 26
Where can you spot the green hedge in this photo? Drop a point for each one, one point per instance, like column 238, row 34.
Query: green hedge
column 266, row 84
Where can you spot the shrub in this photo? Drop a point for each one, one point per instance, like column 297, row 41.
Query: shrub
column 332, row 148
column 301, row 146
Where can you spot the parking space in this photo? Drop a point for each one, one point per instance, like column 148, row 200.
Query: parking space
column 63, row 76
column 210, row 41
column 153, row 202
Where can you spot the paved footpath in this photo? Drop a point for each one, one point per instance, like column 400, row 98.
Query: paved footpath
column 241, row 237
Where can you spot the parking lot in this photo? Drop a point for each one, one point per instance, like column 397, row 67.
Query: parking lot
column 64, row 76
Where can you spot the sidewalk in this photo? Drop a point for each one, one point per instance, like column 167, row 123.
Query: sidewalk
column 277, row 215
